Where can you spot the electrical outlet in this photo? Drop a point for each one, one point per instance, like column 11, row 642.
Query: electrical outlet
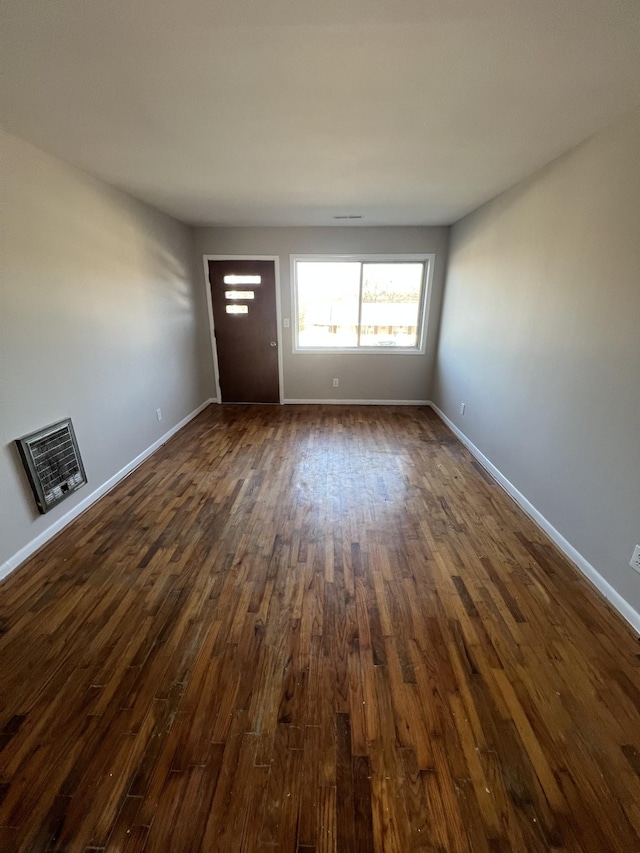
column 635, row 560
column 462, row 408
column 336, row 382
column 285, row 322
column 159, row 414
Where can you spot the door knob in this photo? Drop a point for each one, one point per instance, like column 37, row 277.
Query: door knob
column 274, row 344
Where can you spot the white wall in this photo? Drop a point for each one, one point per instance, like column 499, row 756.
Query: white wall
column 99, row 320
column 540, row 337
column 308, row 376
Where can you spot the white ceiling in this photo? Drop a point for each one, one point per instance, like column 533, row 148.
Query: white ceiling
column 289, row 112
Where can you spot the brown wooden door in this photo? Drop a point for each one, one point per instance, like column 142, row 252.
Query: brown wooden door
column 243, row 298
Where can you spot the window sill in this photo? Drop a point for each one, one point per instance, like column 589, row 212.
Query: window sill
column 358, row 351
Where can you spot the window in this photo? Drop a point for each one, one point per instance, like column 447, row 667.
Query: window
column 239, row 294
column 242, row 279
column 364, row 304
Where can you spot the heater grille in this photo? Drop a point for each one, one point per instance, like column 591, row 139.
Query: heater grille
column 52, row 461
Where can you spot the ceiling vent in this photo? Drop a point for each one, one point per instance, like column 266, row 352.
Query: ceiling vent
column 52, row 461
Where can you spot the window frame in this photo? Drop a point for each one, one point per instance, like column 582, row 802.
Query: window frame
column 427, row 258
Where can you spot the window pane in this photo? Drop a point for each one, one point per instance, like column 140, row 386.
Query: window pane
column 328, row 294
column 242, row 279
column 237, row 309
column 239, row 294
column 391, row 304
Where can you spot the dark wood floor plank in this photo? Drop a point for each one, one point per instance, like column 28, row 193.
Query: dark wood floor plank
column 313, row 628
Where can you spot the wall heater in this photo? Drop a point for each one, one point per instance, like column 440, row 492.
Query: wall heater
column 52, row 461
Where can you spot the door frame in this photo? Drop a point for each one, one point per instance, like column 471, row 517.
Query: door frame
column 214, row 351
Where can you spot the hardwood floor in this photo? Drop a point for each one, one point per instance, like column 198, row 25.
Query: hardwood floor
column 313, row 629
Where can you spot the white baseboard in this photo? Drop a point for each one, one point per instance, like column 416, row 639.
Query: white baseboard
column 335, row 402
column 42, row 538
column 613, row 597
